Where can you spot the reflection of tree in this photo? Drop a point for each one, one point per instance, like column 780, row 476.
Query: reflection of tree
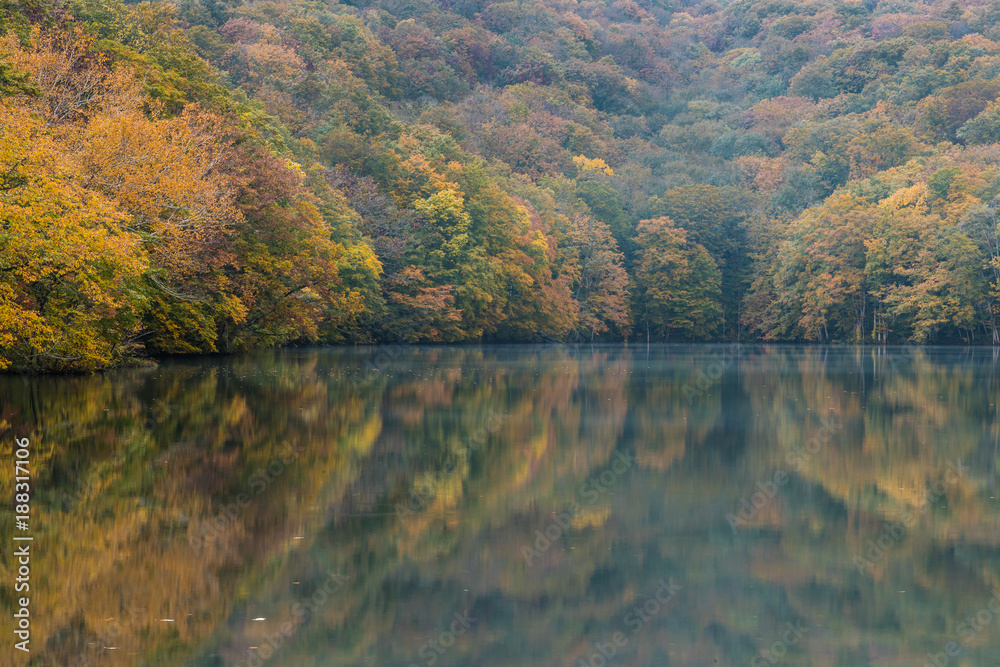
column 494, row 441
column 119, row 494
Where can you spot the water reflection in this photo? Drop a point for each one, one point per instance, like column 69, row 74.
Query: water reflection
column 515, row 506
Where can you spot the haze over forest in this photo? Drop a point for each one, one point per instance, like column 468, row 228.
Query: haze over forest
column 206, row 176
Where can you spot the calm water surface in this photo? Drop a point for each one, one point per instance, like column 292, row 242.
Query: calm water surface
column 622, row 506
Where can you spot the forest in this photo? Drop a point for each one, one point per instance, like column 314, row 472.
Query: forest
column 217, row 176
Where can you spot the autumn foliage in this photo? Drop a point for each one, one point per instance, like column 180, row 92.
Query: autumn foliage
column 270, row 173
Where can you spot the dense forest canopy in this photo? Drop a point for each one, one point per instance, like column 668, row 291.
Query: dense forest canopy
column 197, row 176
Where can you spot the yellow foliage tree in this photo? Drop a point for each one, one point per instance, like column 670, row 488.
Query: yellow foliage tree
column 584, row 163
column 69, row 275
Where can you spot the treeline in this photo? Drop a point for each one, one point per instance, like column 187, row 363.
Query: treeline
column 216, row 175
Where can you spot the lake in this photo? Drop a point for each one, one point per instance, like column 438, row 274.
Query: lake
column 513, row 505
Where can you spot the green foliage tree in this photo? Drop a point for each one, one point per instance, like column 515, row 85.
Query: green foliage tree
column 984, row 128
column 818, row 278
column 678, row 285
column 925, row 270
column 939, row 118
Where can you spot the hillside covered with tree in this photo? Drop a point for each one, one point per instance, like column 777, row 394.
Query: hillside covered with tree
column 197, row 176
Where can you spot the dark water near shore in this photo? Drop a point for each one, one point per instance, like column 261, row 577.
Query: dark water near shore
column 632, row 506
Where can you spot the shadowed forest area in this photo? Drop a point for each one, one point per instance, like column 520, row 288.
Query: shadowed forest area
column 200, row 176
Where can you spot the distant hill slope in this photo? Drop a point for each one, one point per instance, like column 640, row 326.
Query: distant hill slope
column 265, row 173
